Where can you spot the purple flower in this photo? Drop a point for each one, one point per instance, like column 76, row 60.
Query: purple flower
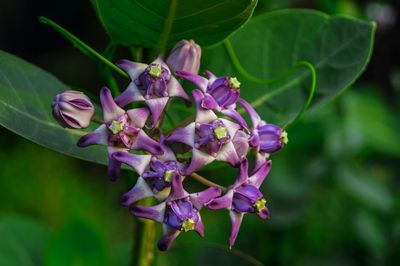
column 179, row 212
column 72, row 109
column 152, row 84
column 209, row 136
column 244, row 197
column 185, row 56
column 121, row 131
column 266, row 138
column 220, row 93
column 155, row 174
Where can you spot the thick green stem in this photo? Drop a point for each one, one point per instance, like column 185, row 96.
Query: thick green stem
column 206, row 182
column 143, row 241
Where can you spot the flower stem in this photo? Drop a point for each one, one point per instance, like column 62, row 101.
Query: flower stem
column 143, row 242
column 206, row 182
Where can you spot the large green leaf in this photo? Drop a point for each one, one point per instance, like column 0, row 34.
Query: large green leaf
column 270, row 44
column 26, row 93
column 149, row 24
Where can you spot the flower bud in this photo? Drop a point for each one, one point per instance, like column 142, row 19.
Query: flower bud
column 185, row 56
column 72, row 109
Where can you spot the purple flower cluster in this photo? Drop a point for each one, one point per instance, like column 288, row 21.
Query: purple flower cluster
column 217, row 132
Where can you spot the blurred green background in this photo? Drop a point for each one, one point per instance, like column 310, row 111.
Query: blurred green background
column 333, row 192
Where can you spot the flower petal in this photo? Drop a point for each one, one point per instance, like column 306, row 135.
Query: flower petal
column 138, row 116
column 137, row 162
column 199, row 227
column 114, row 166
column 184, row 135
column 236, row 116
column 99, row 136
column 224, row 202
column 140, row 191
column 228, row 154
column 236, row 221
column 175, row 89
column 203, row 116
column 209, row 102
column 155, row 213
column 132, row 68
column 243, row 173
column 110, row 109
column 129, row 95
column 200, row 199
column 199, row 81
column 260, row 174
column 264, row 214
column 156, row 107
column 177, row 190
column 255, row 118
column 144, row 142
column 211, row 76
column 169, row 235
column 198, row 160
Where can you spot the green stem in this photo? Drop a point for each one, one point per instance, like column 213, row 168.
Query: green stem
column 206, row 182
column 143, row 241
column 87, row 50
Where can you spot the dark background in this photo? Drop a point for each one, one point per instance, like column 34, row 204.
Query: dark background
column 334, row 191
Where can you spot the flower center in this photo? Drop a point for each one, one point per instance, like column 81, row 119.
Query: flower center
column 188, row 225
column 116, row 126
column 233, row 83
column 220, row 132
column 284, row 137
column 168, row 175
column 155, row 71
column 259, row 205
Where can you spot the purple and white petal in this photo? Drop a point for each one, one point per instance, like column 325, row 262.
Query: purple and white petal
column 264, row 214
column 228, row 154
column 232, row 113
column 111, row 110
column 155, row 213
column 224, row 202
column 168, row 154
column 144, row 142
column 255, row 118
column 136, row 161
column 138, row 116
column 133, row 69
column 211, row 76
column 203, row 116
column 184, row 135
column 129, row 95
column 177, row 190
column 99, row 136
column 198, row 160
column 201, row 199
column 199, row 81
column 236, row 221
column 243, row 173
column 210, row 103
column 175, row 90
column 260, row 174
column 156, row 107
column 140, row 191
column 169, row 235
column 199, row 227
column 114, row 166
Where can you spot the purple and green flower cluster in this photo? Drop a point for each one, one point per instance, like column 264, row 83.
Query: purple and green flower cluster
column 217, row 132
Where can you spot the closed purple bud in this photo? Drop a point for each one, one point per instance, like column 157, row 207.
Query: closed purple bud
column 72, row 109
column 185, row 56
column 270, row 138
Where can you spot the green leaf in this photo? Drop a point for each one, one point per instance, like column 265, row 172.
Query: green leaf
column 271, row 44
column 26, row 93
column 23, row 241
column 159, row 24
